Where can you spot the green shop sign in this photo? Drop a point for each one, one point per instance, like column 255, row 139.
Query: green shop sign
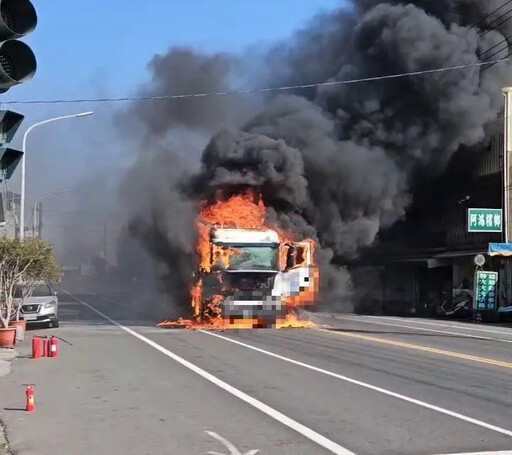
column 485, row 220
column 486, row 292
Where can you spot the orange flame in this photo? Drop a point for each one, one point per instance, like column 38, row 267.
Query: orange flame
column 292, row 321
column 196, row 294
column 243, row 211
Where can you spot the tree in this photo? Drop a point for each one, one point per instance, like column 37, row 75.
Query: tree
column 23, row 263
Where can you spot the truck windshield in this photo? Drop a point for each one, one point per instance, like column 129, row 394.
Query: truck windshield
column 250, row 257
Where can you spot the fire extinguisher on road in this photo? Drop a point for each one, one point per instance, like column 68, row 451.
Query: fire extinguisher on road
column 46, row 346
column 54, row 347
column 37, row 347
column 31, row 406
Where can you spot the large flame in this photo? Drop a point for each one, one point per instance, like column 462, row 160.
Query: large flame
column 245, row 210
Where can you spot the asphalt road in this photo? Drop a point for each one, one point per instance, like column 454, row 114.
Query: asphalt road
column 362, row 385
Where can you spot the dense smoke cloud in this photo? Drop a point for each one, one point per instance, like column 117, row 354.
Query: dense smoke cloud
column 179, row 72
column 162, row 220
column 174, row 132
column 337, row 163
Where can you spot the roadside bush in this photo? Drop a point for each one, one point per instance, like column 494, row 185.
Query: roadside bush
column 23, row 263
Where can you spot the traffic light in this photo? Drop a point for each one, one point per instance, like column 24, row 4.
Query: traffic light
column 17, row 61
column 8, row 162
column 9, row 158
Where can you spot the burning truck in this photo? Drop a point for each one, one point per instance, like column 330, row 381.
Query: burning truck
column 250, row 274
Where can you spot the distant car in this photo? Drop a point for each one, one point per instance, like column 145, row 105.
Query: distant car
column 41, row 307
column 505, row 313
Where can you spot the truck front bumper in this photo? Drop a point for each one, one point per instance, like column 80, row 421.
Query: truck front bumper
column 253, row 309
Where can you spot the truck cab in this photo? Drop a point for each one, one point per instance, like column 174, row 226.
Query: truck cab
column 254, row 274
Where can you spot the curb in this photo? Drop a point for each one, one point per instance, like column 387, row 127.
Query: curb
column 4, row 442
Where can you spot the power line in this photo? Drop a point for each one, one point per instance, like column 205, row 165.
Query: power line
column 259, row 90
column 495, row 25
column 482, row 22
column 490, row 14
column 495, row 46
column 508, row 56
column 505, row 48
column 496, row 53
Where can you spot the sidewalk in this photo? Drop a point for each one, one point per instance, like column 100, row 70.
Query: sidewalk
column 6, row 356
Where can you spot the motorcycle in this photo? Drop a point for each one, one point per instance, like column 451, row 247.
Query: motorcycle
column 461, row 307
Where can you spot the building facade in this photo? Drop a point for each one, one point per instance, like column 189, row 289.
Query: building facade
column 429, row 257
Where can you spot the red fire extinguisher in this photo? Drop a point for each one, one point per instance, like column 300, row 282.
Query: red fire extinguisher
column 46, row 346
column 54, row 347
column 37, row 348
column 31, row 406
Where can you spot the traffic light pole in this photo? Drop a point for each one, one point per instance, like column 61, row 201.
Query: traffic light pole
column 18, row 65
column 23, row 167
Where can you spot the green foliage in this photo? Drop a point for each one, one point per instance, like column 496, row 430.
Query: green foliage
column 24, row 263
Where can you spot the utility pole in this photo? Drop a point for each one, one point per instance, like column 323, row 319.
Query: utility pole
column 34, row 222
column 507, row 221
column 105, row 240
column 40, row 221
column 37, row 221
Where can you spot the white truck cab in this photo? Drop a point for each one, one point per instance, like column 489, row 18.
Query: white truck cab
column 255, row 272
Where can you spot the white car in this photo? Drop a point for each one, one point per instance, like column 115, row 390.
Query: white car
column 41, row 307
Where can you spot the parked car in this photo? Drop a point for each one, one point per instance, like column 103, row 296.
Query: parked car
column 505, row 313
column 41, row 307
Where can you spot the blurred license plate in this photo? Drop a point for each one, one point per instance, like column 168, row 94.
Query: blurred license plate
column 30, row 317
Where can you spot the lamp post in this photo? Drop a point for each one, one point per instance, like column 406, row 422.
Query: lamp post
column 23, row 158
column 38, row 203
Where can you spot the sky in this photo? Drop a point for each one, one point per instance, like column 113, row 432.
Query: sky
column 101, row 48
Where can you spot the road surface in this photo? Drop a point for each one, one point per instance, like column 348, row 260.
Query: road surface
column 356, row 385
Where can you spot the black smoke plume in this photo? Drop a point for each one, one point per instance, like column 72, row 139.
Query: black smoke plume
column 337, row 162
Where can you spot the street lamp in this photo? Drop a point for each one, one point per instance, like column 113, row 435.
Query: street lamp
column 24, row 149
column 38, row 202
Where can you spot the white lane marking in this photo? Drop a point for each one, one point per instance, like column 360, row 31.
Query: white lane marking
column 312, row 435
column 505, row 331
column 498, row 452
column 423, row 404
column 230, row 446
column 446, row 332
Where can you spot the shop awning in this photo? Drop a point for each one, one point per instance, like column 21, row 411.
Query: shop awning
column 500, row 249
